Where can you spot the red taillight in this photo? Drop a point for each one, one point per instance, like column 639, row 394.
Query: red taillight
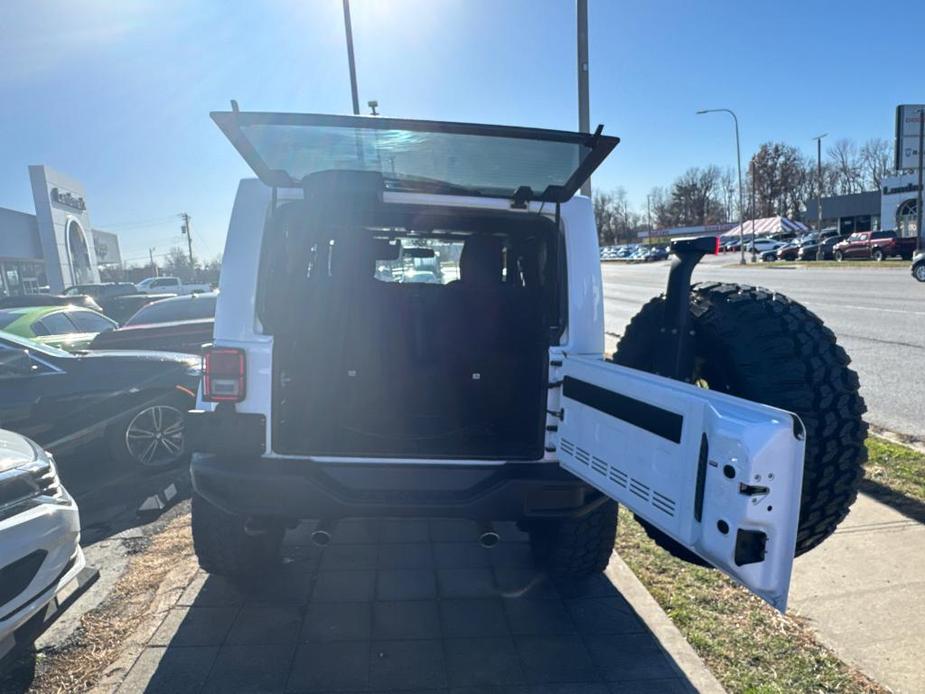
column 223, row 375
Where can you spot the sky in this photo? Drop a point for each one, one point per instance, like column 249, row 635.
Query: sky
column 118, row 95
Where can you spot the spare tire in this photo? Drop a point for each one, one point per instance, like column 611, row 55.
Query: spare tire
column 759, row 345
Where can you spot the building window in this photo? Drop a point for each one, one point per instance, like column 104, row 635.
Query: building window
column 906, row 220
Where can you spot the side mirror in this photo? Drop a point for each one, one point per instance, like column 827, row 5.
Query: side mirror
column 15, row 362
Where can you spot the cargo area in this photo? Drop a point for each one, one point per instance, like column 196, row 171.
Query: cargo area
column 404, row 333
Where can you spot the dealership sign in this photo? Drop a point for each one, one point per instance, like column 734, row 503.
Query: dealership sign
column 68, row 199
column 908, row 117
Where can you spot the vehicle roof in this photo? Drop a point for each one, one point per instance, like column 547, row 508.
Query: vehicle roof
column 185, row 297
column 39, row 311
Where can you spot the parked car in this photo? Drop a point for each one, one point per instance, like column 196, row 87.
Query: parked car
column 186, row 336
column 102, row 290
column 874, row 245
column 810, row 250
column 656, row 253
column 121, row 308
column 918, row 266
column 26, row 300
column 40, row 554
column 761, row 245
column 134, row 402
column 173, row 285
column 67, row 327
column 495, row 386
column 177, row 308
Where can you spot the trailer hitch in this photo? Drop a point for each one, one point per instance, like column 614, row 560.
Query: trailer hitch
column 675, row 352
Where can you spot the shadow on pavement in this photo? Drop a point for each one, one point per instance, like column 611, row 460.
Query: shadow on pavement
column 906, row 505
column 409, row 605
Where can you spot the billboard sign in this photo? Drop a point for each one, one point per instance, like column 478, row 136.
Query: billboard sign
column 907, row 135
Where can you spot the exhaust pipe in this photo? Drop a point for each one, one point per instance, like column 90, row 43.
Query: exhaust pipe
column 488, row 537
column 322, row 534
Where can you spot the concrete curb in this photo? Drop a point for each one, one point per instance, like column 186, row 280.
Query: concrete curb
column 660, row 624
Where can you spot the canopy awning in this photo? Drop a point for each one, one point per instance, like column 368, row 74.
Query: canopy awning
column 767, row 226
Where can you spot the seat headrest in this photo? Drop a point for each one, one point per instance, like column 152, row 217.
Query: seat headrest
column 481, row 260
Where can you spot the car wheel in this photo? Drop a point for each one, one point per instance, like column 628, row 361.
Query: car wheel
column 576, row 547
column 877, row 254
column 153, row 437
column 918, row 271
column 224, row 547
column 801, row 369
column 839, row 256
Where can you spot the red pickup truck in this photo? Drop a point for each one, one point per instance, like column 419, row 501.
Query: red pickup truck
column 876, row 245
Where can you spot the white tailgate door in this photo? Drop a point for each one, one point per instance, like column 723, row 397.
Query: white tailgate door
column 719, row 474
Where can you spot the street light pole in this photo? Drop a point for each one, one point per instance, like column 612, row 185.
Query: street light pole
column 819, row 254
column 649, row 216
column 918, row 202
column 739, row 166
column 351, row 64
column 584, row 107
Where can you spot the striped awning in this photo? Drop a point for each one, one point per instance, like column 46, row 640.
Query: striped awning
column 767, row 226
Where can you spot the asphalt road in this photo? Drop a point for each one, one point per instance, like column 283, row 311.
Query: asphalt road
column 877, row 314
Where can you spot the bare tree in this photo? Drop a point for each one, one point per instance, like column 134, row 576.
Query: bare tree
column 843, row 154
column 775, row 179
column 876, row 162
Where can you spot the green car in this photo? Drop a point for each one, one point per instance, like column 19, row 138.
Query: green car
column 66, row 327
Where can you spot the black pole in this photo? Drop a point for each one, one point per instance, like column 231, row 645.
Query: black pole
column 918, row 202
column 350, row 61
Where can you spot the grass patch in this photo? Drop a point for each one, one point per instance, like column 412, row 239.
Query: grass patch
column 898, row 467
column 749, row 646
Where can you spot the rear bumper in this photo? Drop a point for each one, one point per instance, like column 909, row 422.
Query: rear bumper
column 300, row 489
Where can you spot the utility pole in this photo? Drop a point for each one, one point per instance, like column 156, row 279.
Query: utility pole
column 184, row 229
column 819, row 254
column 918, row 202
column 584, row 107
column 151, row 256
column 649, row 216
column 752, row 171
column 350, row 61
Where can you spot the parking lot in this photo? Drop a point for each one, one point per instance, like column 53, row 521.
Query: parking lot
column 877, row 315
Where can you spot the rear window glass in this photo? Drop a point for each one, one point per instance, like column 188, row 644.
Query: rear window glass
column 6, row 318
column 171, row 310
column 90, row 322
column 54, row 324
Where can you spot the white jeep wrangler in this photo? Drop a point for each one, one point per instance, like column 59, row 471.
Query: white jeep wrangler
column 411, row 323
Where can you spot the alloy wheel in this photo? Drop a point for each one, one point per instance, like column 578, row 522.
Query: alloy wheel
column 154, row 437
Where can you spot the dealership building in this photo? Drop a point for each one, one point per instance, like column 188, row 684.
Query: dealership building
column 891, row 208
column 55, row 247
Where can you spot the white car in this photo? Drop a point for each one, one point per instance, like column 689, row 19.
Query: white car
column 762, row 245
column 331, row 394
column 169, row 285
column 40, row 554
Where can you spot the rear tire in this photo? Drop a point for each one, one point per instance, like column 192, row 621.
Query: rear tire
column 225, row 549
column 877, row 255
column 576, row 547
column 759, row 345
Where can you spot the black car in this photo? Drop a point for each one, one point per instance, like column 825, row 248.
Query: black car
column 186, row 336
column 121, row 308
column 26, row 300
column 102, row 290
column 135, row 402
column 178, row 308
column 918, row 266
column 809, row 251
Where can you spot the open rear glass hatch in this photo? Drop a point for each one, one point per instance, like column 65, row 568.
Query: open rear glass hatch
column 416, row 155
